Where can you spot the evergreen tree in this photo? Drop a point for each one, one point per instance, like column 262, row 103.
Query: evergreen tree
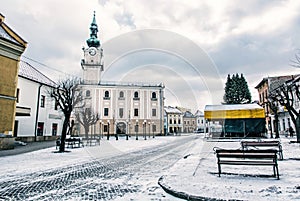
column 236, row 90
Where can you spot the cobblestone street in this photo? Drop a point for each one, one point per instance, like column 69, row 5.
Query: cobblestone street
column 126, row 177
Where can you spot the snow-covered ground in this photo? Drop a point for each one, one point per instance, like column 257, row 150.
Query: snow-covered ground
column 46, row 158
column 195, row 174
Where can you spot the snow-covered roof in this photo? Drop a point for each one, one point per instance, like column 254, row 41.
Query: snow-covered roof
column 232, row 107
column 28, row 71
column 172, row 110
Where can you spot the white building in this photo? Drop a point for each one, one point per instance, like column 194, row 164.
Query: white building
column 173, row 120
column 123, row 108
column 200, row 121
column 37, row 117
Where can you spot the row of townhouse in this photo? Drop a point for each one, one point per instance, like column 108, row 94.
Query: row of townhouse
column 181, row 120
column 267, row 86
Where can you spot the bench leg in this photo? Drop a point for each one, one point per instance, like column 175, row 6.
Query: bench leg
column 219, row 169
column 277, row 172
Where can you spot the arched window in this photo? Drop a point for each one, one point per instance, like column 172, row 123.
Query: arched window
column 153, row 95
column 121, row 94
column 136, row 94
column 106, row 94
column 87, row 93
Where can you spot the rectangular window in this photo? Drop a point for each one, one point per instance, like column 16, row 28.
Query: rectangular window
column 136, row 112
column 170, row 121
column 17, row 95
column 42, row 101
column 54, row 129
column 106, row 111
column 105, row 128
column 40, row 129
column 154, row 112
column 121, row 111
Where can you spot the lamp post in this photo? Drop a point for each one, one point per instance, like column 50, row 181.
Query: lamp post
column 101, row 133
column 152, row 129
column 149, row 127
column 136, row 129
column 127, row 129
column 144, row 129
column 108, row 129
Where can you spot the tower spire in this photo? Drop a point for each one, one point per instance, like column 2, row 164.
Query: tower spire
column 93, row 41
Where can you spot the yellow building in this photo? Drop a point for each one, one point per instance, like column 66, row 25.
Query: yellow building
column 11, row 48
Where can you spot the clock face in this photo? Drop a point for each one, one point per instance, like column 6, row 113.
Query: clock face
column 92, row 51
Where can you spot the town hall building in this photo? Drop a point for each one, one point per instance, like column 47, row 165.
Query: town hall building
column 123, row 108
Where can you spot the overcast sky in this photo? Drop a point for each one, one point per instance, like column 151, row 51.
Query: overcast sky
column 190, row 46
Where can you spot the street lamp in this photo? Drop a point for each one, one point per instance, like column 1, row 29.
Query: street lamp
column 144, row 128
column 101, row 133
column 149, row 128
column 136, row 129
column 153, row 129
column 108, row 129
column 127, row 129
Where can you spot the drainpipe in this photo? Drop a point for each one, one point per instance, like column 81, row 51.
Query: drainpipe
column 37, row 112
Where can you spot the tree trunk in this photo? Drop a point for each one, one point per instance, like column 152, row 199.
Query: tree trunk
column 297, row 125
column 86, row 131
column 64, row 133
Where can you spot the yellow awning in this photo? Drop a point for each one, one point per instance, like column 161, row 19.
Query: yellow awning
column 234, row 111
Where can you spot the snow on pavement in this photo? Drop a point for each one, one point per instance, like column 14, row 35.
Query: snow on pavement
column 197, row 175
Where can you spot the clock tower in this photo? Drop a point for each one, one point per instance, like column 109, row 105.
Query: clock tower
column 92, row 64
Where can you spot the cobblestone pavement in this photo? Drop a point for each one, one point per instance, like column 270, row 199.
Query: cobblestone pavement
column 125, row 177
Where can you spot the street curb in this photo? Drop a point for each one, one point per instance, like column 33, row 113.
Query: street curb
column 182, row 195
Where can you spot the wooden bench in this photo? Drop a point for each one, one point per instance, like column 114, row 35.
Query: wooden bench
column 275, row 144
column 266, row 157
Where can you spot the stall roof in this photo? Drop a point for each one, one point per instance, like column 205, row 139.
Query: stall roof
column 234, row 111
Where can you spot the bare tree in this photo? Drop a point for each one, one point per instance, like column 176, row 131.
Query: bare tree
column 296, row 61
column 286, row 94
column 67, row 95
column 86, row 117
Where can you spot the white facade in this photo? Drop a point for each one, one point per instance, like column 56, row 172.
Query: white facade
column 200, row 120
column 123, row 108
column 37, row 118
column 174, row 120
